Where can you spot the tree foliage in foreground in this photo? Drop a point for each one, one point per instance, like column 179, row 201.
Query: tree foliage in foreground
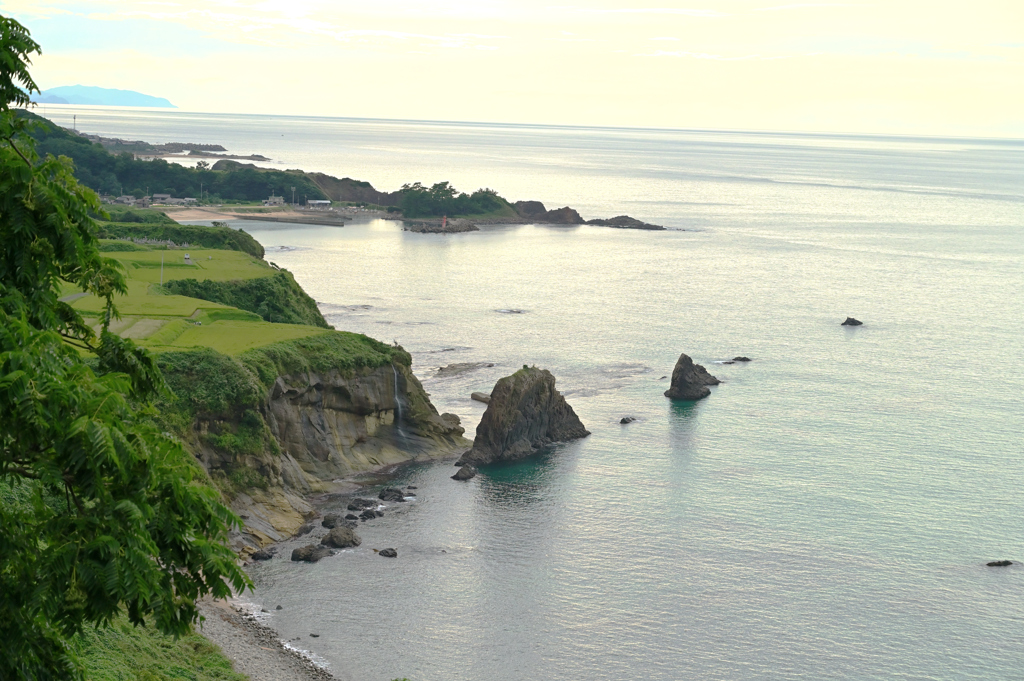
column 100, row 513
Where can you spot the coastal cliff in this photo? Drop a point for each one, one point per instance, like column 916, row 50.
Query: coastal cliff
column 287, row 420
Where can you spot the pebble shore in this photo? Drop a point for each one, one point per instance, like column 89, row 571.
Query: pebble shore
column 255, row 649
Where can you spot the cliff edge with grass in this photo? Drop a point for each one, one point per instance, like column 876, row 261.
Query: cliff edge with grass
column 274, row 403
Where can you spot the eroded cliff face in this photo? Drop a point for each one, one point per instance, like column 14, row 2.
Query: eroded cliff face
column 332, row 425
column 318, row 428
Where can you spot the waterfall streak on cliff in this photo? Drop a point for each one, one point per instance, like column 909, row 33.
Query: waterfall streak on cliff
column 398, row 405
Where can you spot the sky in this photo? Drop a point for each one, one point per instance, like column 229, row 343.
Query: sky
column 917, row 67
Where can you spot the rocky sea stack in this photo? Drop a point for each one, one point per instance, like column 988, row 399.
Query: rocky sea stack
column 525, row 413
column 690, row 381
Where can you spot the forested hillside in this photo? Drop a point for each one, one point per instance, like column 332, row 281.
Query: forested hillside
column 107, row 173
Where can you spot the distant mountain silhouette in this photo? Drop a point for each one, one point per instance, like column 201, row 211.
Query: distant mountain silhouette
column 85, row 94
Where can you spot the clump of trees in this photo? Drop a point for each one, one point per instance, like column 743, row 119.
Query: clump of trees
column 101, row 513
column 443, row 199
column 277, row 298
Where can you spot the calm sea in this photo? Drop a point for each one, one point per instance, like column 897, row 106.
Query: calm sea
column 826, row 513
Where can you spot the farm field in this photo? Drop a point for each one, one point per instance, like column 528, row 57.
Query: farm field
column 161, row 321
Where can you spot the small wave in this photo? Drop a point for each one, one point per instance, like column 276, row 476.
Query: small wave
column 308, row 655
column 456, row 348
column 510, row 311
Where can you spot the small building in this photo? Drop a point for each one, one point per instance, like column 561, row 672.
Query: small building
column 125, row 200
column 161, row 198
column 318, row 204
column 274, row 201
column 190, row 201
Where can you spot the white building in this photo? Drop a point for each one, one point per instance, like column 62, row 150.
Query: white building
column 274, row 201
column 318, row 204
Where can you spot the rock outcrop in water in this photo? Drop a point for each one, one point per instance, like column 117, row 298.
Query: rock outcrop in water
column 467, row 472
column 341, row 538
column 525, row 413
column 690, row 381
column 850, row 321
column 453, row 226
column 535, row 211
column 625, row 222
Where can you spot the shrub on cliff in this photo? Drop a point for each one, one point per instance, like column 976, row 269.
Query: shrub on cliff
column 100, row 513
column 224, row 238
column 277, row 298
column 340, row 350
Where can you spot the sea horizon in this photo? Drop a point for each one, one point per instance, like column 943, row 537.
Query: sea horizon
column 865, row 135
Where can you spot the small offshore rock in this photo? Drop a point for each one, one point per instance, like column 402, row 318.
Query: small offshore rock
column 314, row 635
column 331, row 520
column 689, row 381
column 368, row 514
column 311, row 553
column 341, row 538
column 388, row 553
column 480, row 397
column 263, row 554
column 742, row 359
column 380, row 514
column 391, row 494
column 305, row 529
column 264, row 610
column 279, row 608
column 411, row 487
column 627, row 419
column 465, row 473
column 850, row 321
column 999, row 563
column 351, row 516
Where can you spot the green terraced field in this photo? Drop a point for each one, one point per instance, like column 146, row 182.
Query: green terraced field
column 162, row 322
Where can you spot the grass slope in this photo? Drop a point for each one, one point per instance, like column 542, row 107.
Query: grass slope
column 221, row 238
column 230, row 295
column 122, row 652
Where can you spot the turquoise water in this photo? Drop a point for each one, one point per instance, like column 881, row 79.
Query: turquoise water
column 825, row 513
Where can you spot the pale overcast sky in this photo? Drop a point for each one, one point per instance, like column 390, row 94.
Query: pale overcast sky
column 929, row 67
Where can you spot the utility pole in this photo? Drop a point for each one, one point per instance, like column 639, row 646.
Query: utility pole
column 293, row 197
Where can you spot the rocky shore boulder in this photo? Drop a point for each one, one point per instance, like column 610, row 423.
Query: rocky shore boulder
column 525, row 413
column 391, row 494
column 850, row 321
column 311, row 553
column 480, row 397
column 690, row 381
column 388, row 553
column 264, row 554
column 341, row 538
